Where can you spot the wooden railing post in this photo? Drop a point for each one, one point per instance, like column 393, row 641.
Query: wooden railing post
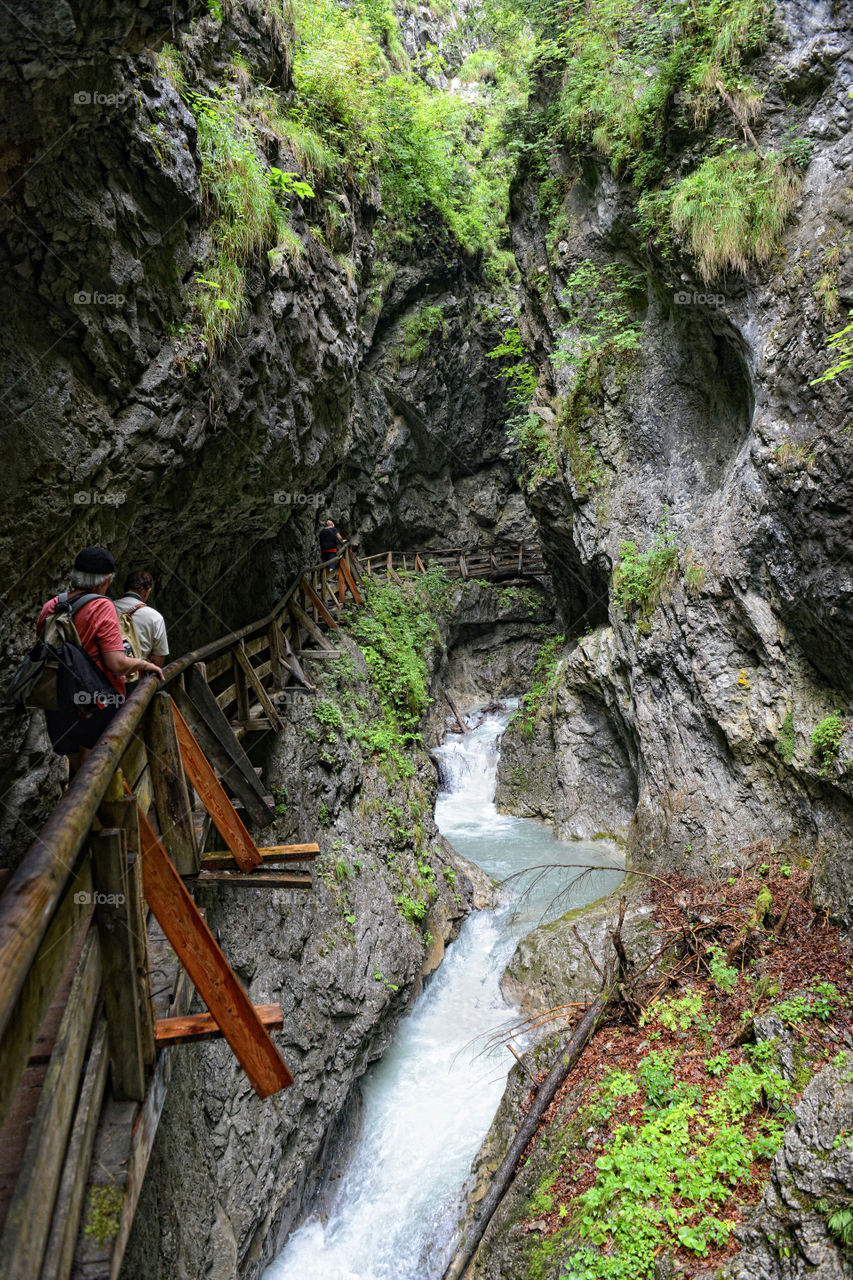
column 116, row 926
column 171, row 796
column 276, row 664
column 122, row 811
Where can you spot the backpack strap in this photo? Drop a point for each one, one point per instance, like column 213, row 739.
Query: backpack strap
column 128, row 613
column 81, row 600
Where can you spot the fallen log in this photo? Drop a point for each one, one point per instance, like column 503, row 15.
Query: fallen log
column 503, row 1178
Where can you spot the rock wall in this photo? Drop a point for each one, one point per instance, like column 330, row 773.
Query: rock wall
column 213, row 473
column 689, row 730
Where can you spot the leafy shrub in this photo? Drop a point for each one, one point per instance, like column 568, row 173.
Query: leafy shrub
column 724, row 975
column 826, row 739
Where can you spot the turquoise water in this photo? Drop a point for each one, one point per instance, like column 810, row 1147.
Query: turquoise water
column 429, row 1103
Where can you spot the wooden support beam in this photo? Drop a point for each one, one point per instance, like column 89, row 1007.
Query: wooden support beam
column 174, row 813
column 350, row 581
column 271, row 879
column 41, row 981
column 211, row 715
column 222, row 861
column 225, row 754
column 319, row 653
column 321, row 609
column 118, row 960
column 201, row 1026
column 301, row 617
column 28, row 1220
column 211, row 974
column 214, row 799
column 260, row 692
column 68, row 1206
column 463, row 567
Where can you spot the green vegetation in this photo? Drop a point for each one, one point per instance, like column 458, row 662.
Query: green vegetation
column 730, row 212
column 630, row 73
column 601, row 323
column 103, row 1214
column 786, row 737
column 395, row 631
column 661, row 1177
column 544, row 680
column 418, row 329
column 694, row 577
column 244, row 201
column 640, row 578
column 826, row 739
column 841, row 346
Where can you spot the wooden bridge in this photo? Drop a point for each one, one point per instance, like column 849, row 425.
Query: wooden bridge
column 86, row 1043
column 489, row 566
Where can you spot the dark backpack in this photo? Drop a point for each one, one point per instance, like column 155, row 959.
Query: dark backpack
column 57, row 673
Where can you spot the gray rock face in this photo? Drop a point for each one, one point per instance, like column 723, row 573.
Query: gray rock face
column 691, row 732
column 550, row 967
column 790, row 1235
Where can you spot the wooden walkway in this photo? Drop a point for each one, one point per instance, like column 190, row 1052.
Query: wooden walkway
column 93, row 1002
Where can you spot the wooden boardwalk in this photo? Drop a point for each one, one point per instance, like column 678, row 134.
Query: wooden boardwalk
column 93, row 1003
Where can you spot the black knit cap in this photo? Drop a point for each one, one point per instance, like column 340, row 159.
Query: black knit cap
column 95, row 560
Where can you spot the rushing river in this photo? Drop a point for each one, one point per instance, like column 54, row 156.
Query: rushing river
column 429, row 1102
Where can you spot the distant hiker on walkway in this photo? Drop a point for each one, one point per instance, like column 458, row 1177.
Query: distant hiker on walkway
column 136, row 615
column 74, row 730
column 331, row 541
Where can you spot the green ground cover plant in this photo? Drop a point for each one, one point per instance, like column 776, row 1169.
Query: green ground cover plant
column 543, row 682
column 640, row 577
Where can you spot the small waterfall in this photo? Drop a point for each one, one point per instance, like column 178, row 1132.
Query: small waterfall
column 429, row 1102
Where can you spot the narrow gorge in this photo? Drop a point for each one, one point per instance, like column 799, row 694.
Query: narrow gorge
column 548, row 307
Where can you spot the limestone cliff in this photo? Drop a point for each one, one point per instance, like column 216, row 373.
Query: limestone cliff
column 680, row 715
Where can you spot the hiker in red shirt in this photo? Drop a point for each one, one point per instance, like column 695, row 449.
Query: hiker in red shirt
column 74, row 733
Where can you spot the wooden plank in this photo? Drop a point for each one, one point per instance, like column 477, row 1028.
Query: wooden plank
column 350, row 581
column 260, row 692
column 211, row 974
column 321, row 609
column 174, row 814
column 219, row 860
column 201, row 1026
column 237, row 775
column 28, row 1221
column 214, row 799
column 112, row 915
column 41, row 981
column 319, row 653
column 121, row 811
column 256, row 879
column 59, row 1254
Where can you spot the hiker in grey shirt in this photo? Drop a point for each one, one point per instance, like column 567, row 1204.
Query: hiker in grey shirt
column 149, row 624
